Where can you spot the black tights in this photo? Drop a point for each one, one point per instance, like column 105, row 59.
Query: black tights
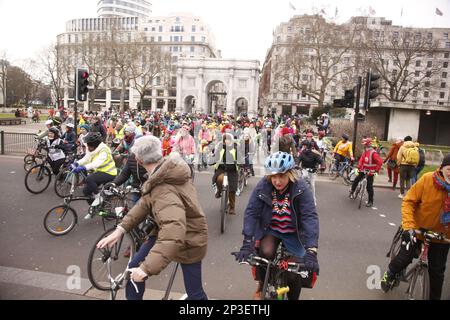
column 268, row 249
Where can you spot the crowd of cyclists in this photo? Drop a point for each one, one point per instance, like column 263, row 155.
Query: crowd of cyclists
column 161, row 152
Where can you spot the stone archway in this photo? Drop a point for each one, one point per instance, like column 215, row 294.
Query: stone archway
column 241, row 106
column 216, row 97
column 189, row 104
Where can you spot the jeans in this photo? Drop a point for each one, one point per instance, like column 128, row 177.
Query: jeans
column 192, row 274
column 437, row 259
column 406, row 174
column 93, row 181
column 370, row 190
column 417, row 171
column 310, row 179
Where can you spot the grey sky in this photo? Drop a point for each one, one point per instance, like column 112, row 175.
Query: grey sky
column 243, row 28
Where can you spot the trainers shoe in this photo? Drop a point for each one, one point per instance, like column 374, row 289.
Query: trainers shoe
column 88, row 217
column 351, row 195
column 401, row 196
column 218, row 195
column 387, row 282
column 369, row 204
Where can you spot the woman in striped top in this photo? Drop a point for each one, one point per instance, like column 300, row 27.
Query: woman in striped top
column 281, row 209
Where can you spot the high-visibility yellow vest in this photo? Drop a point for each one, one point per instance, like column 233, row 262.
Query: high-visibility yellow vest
column 233, row 153
column 108, row 166
column 121, row 134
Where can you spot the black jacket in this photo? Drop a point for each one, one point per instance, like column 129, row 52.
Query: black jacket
column 132, row 168
column 309, row 159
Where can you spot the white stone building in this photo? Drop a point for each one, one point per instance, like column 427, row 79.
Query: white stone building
column 218, row 85
column 124, row 8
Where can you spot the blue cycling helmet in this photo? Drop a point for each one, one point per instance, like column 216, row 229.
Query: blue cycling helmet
column 279, row 162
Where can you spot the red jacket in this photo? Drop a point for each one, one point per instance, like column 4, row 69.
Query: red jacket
column 370, row 160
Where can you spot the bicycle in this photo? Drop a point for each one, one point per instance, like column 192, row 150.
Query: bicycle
column 66, row 178
column 418, row 272
column 275, row 285
column 361, row 189
column 344, row 170
column 35, row 156
column 110, row 205
column 40, row 174
column 224, row 204
column 243, row 176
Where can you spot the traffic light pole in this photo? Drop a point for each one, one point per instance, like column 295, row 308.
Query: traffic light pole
column 358, row 97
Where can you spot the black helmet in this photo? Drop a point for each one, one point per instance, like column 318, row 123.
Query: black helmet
column 93, row 139
column 55, row 131
column 345, row 137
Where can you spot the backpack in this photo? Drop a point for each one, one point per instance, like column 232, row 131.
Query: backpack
column 412, row 156
column 422, row 158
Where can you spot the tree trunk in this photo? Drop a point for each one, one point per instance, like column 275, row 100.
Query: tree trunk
column 122, row 97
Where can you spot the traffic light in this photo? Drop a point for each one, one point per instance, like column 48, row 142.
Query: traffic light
column 372, row 86
column 349, row 98
column 82, row 84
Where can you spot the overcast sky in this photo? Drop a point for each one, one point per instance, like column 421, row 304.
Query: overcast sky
column 243, row 28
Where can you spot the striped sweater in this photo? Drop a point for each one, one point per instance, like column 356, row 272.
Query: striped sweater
column 282, row 213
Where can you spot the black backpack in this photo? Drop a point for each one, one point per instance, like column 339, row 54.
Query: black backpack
column 422, row 158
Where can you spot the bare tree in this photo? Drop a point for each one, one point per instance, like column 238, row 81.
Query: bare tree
column 4, row 64
column 320, row 53
column 404, row 62
column 52, row 64
column 153, row 64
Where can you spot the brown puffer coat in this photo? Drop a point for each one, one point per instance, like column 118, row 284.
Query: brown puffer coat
column 170, row 197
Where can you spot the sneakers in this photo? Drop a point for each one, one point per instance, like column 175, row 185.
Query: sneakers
column 369, row 204
column 88, row 216
column 218, row 194
column 388, row 282
column 351, row 195
column 401, row 196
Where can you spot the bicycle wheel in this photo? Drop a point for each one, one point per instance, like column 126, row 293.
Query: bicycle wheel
column 115, row 259
column 38, row 179
column 333, row 173
column 223, row 211
column 362, row 193
column 347, row 176
column 396, row 245
column 63, row 183
column 29, row 161
column 419, row 284
column 60, row 220
column 241, row 183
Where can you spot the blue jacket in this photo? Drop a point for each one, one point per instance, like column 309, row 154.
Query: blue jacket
column 258, row 214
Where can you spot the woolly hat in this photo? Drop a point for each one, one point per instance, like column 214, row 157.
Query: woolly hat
column 446, row 161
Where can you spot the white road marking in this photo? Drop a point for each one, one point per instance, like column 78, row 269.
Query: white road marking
column 392, row 224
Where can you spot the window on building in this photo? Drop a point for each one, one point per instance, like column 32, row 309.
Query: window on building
column 417, row 73
column 447, row 45
column 152, row 39
column 160, row 28
column 427, row 84
column 274, row 95
column 285, row 96
column 426, row 94
column 445, row 64
column 414, row 94
column 286, row 87
column 160, row 93
column 444, row 74
column 243, row 83
column 203, row 39
column 445, row 35
column 443, row 84
column 289, row 29
column 425, row 102
column 418, row 63
column 192, row 49
column 429, row 64
column 428, row 75
column 160, row 39
column 442, row 95
column 153, row 29
column 192, row 38
column 305, row 77
column 446, row 55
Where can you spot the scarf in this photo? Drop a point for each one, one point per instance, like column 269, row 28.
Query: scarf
column 441, row 184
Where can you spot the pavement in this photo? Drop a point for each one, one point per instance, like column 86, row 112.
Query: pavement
column 352, row 249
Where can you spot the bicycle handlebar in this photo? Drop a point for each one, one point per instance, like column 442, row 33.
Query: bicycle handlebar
column 432, row 235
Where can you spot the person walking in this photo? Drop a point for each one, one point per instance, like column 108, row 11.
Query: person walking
column 391, row 161
column 408, row 158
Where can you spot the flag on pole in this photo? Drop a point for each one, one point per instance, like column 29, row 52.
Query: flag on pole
column 336, row 12
column 439, row 12
column 292, row 6
column 372, row 12
column 401, row 13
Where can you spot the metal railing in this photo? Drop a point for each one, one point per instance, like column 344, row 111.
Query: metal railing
column 16, row 143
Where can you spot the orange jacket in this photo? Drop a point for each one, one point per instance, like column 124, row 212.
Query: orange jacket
column 423, row 205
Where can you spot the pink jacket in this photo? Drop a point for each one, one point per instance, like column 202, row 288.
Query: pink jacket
column 185, row 145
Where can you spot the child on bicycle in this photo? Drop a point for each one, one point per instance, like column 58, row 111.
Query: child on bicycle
column 281, row 209
column 369, row 164
column 427, row 206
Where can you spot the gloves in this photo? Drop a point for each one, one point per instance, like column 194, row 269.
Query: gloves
column 73, row 166
column 311, row 262
column 409, row 239
column 248, row 247
column 79, row 169
column 352, row 158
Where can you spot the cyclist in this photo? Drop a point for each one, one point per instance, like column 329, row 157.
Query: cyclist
column 321, row 144
column 182, row 232
column 427, row 206
column 281, row 209
column 372, row 162
column 69, row 138
column 226, row 161
column 247, row 149
column 185, row 144
column 55, row 147
column 309, row 161
column 125, row 145
column 98, row 159
column 310, row 139
column 343, row 151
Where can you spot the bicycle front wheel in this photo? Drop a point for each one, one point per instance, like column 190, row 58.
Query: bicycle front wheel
column 29, row 162
column 38, row 179
column 104, row 264
column 63, row 183
column 419, row 284
column 333, row 173
column 223, row 211
column 362, row 193
column 60, row 220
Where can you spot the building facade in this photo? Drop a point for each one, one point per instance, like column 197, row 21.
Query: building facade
column 181, row 35
column 124, row 8
column 218, row 86
column 423, row 80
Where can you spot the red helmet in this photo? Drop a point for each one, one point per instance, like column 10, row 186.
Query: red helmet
column 321, row 134
column 367, row 142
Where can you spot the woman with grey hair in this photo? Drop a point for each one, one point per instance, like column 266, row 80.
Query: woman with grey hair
column 181, row 233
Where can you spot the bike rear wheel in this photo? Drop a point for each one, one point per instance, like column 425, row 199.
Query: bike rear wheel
column 116, row 258
column 38, row 179
column 419, row 284
column 332, row 172
column 60, row 220
column 30, row 161
column 223, row 211
column 362, row 193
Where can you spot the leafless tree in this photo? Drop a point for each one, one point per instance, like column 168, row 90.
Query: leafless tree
column 53, row 67
column 404, row 60
column 319, row 54
column 3, row 75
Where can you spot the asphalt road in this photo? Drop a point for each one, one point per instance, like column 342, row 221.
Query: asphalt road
column 352, row 242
